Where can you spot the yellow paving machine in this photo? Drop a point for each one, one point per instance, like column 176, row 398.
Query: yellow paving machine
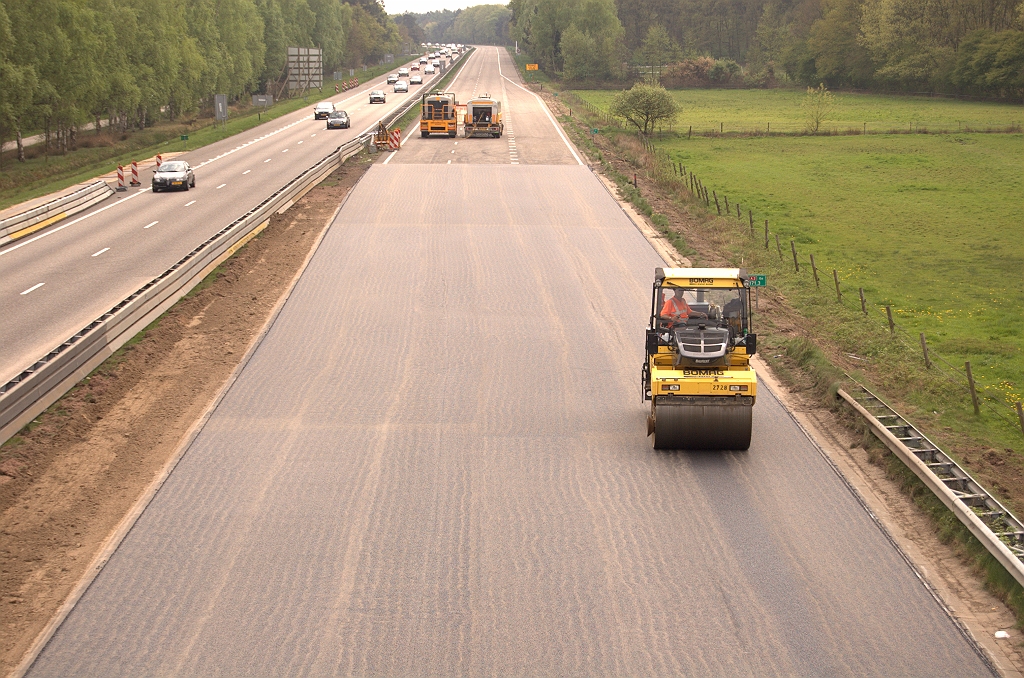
column 438, row 114
column 697, row 374
column 483, row 117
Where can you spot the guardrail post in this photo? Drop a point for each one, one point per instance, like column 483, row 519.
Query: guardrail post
column 974, row 391
column 924, row 349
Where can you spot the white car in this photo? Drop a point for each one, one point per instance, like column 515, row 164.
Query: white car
column 416, row 80
column 401, row 86
column 403, row 72
column 423, row 60
column 392, row 78
column 428, row 69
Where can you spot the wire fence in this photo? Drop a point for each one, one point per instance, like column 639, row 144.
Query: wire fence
column 852, row 298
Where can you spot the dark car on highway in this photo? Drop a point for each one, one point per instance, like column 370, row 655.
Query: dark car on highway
column 338, row 120
column 174, row 174
column 377, row 96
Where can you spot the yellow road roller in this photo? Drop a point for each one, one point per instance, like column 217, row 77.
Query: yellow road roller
column 697, row 374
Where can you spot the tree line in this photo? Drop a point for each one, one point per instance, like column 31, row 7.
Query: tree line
column 478, row 25
column 67, row 62
column 965, row 46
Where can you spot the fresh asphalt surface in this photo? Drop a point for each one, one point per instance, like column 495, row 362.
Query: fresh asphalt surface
column 436, row 464
column 88, row 264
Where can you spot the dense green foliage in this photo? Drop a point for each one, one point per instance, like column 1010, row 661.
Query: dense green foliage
column 644, row 106
column 66, row 62
column 964, row 46
column 477, row 25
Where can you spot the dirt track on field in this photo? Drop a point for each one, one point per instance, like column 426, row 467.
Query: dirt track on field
column 67, row 482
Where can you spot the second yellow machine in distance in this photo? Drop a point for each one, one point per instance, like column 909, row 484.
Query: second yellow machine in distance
column 697, row 374
column 483, row 117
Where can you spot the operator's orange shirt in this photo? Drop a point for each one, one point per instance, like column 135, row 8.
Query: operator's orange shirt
column 676, row 306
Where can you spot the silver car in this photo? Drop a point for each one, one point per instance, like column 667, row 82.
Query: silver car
column 401, row 86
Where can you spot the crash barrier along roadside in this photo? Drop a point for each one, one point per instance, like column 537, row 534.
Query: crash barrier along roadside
column 999, row 531
column 29, row 393
column 33, row 390
column 30, row 221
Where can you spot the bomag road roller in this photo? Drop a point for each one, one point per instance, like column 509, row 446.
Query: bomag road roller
column 697, row 374
column 438, row 114
column 483, row 117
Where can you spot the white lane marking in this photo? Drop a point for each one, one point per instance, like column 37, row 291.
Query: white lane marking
column 72, row 223
column 312, row 135
column 267, row 160
column 101, row 251
column 543, row 106
column 456, row 143
column 301, row 140
column 388, row 159
column 220, row 187
column 449, row 162
column 453, row 151
column 34, row 287
column 246, row 171
column 190, row 202
column 152, row 223
column 285, row 150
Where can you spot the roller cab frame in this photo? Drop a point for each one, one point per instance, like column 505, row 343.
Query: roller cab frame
column 697, row 374
column 439, row 114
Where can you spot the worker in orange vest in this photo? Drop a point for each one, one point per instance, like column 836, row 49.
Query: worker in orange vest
column 675, row 309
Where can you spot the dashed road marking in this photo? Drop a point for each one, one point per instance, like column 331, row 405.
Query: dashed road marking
column 34, row 287
column 246, row 171
column 101, row 251
column 267, row 160
column 221, row 186
column 190, row 202
column 285, row 150
column 152, row 223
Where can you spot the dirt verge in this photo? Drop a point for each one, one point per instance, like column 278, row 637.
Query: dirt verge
column 69, row 478
column 947, row 569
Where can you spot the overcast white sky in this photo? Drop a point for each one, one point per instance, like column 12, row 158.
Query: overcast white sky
column 421, row 6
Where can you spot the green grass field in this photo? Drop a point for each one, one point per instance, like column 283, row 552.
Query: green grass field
column 929, row 223
column 707, row 110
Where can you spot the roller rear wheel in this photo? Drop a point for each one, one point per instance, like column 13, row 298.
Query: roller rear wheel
column 702, row 426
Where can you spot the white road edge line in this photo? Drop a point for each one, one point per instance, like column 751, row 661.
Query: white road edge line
column 388, row 159
column 101, row 251
column 543, row 105
column 34, row 287
column 152, row 223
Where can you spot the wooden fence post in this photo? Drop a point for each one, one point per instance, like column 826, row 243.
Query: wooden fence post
column 974, row 391
column 924, row 349
column 766, row 234
column 796, row 264
column 1020, row 416
column 726, row 204
column 717, row 206
column 863, row 304
column 778, row 245
column 814, row 270
column 689, row 132
column 888, row 313
column 839, row 293
column 751, row 215
column 738, row 214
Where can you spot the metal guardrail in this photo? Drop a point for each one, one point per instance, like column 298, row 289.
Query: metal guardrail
column 33, row 390
column 987, row 519
column 29, row 393
column 40, row 217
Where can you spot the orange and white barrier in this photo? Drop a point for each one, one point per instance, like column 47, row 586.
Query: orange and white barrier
column 120, row 178
column 135, row 174
column 159, row 161
column 395, row 139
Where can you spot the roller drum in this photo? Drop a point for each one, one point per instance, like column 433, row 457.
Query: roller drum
column 702, row 423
